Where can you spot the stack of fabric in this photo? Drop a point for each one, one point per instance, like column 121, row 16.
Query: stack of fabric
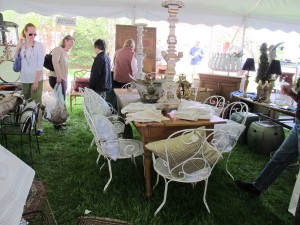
column 190, row 110
column 140, row 112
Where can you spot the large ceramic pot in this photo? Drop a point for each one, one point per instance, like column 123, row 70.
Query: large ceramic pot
column 150, row 91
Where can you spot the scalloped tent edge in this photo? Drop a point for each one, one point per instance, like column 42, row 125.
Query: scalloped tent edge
column 272, row 14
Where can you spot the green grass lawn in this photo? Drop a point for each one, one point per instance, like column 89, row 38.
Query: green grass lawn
column 75, row 183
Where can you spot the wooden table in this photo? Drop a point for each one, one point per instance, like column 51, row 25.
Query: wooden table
column 157, row 131
column 154, row 131
column 124, row 97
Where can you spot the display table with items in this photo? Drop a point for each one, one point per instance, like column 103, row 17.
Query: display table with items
column 279, row 111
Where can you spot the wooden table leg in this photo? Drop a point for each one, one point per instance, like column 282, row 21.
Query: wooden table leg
column 147, row 172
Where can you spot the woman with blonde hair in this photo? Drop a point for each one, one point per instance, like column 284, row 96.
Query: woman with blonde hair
column 33, row 54
column 125, row 63
column 60, row 60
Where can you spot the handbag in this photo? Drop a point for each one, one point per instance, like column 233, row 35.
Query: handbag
column 48, row 62
column 17, row 63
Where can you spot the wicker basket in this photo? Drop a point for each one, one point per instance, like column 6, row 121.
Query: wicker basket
column 43, row 216
column 92, row 220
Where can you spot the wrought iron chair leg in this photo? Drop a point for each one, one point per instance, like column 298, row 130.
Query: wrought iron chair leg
column 92, row 144
column 38, row 145
column 110, row 175
column 30, row 150
column 204, row 195
column 5, row 140
column 157, row 180
column 22, row 143
column 165, row 197
column 133, row 160
column 227, row 166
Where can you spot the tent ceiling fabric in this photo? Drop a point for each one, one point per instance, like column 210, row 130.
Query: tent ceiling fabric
column 272, row 14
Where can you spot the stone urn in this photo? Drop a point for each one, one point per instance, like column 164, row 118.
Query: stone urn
column 149, row 91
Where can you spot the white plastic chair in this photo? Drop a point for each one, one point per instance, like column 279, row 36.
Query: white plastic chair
column 218, row 103
column 233, row 128
column 185, row 157
column 108, row 144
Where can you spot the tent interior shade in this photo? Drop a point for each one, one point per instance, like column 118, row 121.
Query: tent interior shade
column 271, row 14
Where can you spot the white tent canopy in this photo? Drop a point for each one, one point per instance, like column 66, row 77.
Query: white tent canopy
column 272, row 14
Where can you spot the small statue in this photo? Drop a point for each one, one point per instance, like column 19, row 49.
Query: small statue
column 259, row 89
column 267, row 92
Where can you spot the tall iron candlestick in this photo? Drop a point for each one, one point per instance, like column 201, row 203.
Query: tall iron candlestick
column 170, row 56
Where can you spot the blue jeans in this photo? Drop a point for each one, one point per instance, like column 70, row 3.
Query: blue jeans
column 284, row 156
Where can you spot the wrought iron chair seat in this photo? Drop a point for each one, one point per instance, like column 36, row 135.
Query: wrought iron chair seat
column 162, row 169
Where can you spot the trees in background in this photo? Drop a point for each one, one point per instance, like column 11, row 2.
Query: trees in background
column 86, row 32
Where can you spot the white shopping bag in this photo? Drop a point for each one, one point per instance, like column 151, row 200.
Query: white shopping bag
column 56, row 110
column 295, row 196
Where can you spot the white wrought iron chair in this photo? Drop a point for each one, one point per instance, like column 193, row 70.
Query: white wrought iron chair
column 108, row 144
column 233, row 128
column 95, row 104
column 127, row 86
column 218, row 103
column 186, row 156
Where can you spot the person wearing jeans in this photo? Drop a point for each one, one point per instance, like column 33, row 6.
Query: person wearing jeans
column 283, row 157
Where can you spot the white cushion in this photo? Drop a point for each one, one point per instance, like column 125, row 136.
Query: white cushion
column 104, row 128
column 95, row 103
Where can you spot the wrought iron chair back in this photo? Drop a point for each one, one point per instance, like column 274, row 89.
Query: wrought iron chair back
column 217, row 101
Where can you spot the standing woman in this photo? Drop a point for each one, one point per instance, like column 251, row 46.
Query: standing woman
column 60, row 60
column 100, row 79
column 33, row 54
column 125, row 63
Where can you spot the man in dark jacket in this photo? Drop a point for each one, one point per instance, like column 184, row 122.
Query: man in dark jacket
column 100, row 79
